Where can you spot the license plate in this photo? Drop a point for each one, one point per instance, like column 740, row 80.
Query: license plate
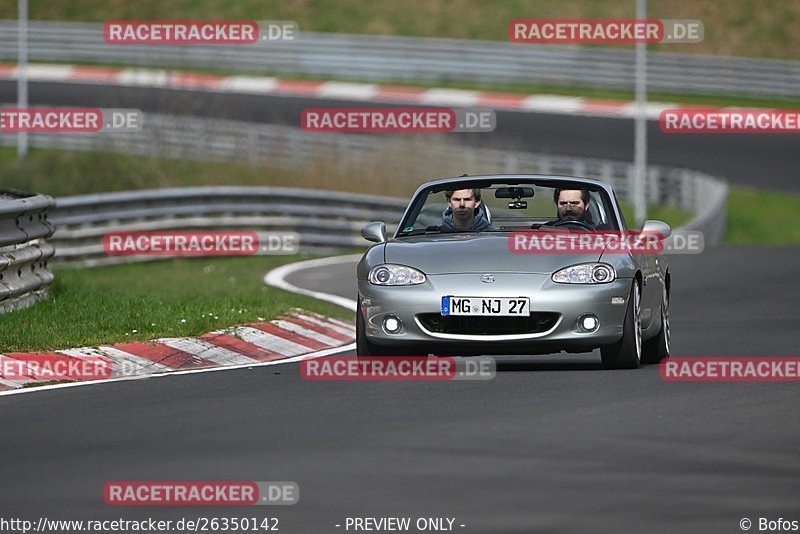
column 503, row 306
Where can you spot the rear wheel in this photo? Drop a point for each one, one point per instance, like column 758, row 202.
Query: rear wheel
column 657, row 349
column 627, row 352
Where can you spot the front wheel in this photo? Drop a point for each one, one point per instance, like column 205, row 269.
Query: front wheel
column 627, row 352
column 657, row 349
column 363, row 346
column 366, row 349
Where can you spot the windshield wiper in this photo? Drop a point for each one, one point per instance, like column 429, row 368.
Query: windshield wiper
column 424, row 231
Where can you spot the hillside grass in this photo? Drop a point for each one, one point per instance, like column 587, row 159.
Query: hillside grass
column 753, row 216
column 762, row 217
column 752, row 28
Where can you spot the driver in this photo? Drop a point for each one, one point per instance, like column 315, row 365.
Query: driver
column 465, row 211
column 572, row 205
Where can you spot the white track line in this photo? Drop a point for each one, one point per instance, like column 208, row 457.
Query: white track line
column 277, row 278
column 451, row 97
column 348, row 91
column 248, row 84
column 50, row 72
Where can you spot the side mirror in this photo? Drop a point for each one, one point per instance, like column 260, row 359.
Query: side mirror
column 375, row 232
column 659, row 228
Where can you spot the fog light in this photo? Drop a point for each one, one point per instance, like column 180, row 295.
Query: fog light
column 392, row 325
column 588, row 323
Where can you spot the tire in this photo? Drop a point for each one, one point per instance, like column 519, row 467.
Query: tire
column 365, row 349
column 363, row 346
column 657, row 349
column 627, row 352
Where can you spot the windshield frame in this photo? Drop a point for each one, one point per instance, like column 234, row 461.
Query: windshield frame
column 564, row 182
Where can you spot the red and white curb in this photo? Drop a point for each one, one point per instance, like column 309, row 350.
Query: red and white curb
column 333, row 90
column 299, row 335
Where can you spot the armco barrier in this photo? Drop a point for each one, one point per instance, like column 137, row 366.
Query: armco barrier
column 390, row 58
column 24, row 251
column 324, row 220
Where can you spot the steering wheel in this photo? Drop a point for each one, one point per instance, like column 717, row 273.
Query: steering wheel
column 582, row 224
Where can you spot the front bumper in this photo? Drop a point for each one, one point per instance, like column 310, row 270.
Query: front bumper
column 560, row 304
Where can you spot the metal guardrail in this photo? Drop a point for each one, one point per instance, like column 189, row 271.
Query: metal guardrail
column 323, row 219
column 24, row 253
column 390, row 58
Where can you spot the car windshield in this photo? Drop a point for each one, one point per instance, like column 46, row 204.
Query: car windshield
column 507, row 207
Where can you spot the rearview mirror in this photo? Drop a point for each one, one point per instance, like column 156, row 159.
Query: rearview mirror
column 513, row 192
column 374, row 231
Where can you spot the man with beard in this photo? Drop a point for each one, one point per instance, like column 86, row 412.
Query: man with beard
column 572, row 205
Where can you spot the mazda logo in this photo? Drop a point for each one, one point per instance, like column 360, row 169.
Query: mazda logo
column 487, row 278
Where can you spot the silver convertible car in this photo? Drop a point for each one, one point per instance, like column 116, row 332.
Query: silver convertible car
column 515, row 264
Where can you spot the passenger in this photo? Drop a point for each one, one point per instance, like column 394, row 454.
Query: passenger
column 465, row 211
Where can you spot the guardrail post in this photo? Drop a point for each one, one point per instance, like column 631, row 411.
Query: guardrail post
column 24, row 251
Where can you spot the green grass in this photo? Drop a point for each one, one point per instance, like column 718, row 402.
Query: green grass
column 762, row 218
column 63, row 173
column 736, row 27
column 138, row 302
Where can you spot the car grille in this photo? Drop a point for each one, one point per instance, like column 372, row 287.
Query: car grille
column 478, row 325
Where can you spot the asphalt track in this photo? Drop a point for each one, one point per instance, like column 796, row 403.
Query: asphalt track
column 552, row 444
column 767, row 161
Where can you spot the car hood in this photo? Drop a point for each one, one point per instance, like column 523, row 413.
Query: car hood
column 474, row 253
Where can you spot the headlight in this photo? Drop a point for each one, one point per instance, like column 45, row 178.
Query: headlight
column 585, row 273
column 395, row 275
